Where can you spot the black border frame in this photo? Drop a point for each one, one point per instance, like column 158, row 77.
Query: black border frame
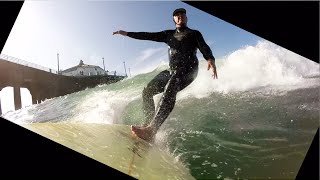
column 292, row 25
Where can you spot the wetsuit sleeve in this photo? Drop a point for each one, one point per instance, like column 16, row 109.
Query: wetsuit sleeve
column 152, row 36
column 203, row 47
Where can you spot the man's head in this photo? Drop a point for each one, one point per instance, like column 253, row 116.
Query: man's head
column 180, row 17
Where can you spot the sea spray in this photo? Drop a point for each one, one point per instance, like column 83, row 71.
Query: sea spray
column 251, row 68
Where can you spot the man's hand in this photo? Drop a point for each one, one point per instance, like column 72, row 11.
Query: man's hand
column 124, row 33
column 211, row 65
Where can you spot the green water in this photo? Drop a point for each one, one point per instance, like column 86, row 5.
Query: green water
column 241, row 135
column 260, row 133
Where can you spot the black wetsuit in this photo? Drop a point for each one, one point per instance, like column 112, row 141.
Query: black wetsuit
column 183, row 44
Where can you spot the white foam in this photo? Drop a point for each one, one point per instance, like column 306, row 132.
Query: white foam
column 253, row 67
column 103, row 107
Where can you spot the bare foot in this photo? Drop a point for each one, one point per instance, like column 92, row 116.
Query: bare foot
column 146, row 133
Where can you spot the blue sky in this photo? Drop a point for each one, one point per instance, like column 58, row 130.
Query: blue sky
column 83, row 30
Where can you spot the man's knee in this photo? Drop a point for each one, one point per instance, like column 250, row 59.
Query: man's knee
column 147, row 93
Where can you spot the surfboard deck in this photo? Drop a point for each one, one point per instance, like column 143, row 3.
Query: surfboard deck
column 115, row 146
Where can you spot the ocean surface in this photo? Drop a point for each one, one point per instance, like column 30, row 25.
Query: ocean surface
column 256, row 121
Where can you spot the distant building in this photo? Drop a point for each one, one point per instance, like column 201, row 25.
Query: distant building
column 84, row 70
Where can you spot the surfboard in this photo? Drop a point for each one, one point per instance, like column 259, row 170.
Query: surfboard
column 115, row 146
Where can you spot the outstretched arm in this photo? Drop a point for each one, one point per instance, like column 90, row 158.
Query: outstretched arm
column 124, row 33
column 152, row 36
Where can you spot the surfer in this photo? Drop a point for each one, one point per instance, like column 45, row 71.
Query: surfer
column 183, row 43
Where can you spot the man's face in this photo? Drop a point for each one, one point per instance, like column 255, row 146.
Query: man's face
column 179, row 19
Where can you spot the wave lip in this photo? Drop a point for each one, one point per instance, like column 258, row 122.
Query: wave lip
column 255, row 67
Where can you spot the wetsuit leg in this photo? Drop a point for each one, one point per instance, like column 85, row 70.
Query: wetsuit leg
column 155, row 86
column 177, row 82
